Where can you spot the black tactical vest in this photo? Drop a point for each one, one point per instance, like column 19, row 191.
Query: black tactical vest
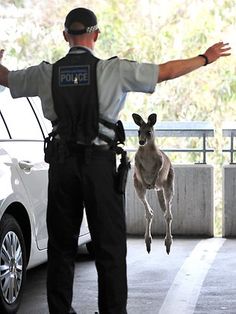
column 74, row 91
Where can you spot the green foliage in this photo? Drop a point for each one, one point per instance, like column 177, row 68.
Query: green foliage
column 16, row 3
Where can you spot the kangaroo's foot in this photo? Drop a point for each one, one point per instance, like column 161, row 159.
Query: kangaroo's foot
column 168, row 242
column 148, row 241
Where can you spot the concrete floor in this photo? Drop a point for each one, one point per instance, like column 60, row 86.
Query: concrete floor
column 198, row 277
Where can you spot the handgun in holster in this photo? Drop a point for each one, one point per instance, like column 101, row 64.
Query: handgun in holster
column 124, row 166
column 49, row 149
column 55, row 149
column 122, row 172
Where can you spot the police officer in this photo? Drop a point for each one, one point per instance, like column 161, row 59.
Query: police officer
column 82, row 96
column 1, row 55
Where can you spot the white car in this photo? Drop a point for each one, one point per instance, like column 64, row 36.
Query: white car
column 23, row 195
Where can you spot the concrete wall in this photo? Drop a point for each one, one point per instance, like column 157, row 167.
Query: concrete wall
column 193, row 204
column 229, row 201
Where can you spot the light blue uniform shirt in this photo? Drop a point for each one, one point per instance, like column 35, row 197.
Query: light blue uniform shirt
column 115, row 78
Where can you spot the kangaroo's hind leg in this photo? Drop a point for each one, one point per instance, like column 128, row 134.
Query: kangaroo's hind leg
column 165, row 197
column 141, row 192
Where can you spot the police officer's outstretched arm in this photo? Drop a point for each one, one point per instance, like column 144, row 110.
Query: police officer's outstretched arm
column 176, row 68
column 3, row 71
column 1, row 54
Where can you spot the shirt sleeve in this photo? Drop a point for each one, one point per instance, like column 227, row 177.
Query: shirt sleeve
column 34, row 81
column 27, row 82
column 138, row 77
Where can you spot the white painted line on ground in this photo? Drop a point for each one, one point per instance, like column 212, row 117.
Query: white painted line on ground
column 185, row 289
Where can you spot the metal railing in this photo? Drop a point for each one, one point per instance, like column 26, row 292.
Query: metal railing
column 200, row 129
column 229, row 130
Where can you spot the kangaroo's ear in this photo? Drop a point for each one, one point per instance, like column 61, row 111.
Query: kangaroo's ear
column 152, row 119
column 137, row 119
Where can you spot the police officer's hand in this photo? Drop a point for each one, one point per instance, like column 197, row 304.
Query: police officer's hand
column 1, row 54
column 3, row 71
column 216, row 51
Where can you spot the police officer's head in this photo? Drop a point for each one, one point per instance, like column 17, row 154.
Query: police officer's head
column 81, row 28
column 80, row 21
column 80, row 24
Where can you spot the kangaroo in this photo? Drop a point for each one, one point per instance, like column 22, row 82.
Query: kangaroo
column 153, row 170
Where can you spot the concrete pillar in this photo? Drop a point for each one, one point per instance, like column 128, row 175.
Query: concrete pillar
column 229, row 201
column 193, row 204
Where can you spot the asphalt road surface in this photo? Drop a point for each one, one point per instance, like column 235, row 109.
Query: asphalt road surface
column 198, row 277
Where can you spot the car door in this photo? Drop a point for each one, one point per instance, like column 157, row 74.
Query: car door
column 47, row 128
column 25, row 147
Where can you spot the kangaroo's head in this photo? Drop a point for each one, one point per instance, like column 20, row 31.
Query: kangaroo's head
column 146, row 130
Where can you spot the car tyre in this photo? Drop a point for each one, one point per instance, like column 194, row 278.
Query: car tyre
column 12, row 264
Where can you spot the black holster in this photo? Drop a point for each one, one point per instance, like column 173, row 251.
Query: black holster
column 122, row 172
column 48, row 148
column 55, row 150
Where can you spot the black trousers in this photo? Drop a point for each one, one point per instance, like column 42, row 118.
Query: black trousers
column 86, row 179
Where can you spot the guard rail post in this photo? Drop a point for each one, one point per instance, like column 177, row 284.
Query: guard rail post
column 229, row 183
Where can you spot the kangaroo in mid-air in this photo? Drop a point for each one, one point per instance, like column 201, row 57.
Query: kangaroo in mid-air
column 153, row 170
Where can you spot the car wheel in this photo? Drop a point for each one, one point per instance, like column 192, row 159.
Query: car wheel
column 12, row 264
